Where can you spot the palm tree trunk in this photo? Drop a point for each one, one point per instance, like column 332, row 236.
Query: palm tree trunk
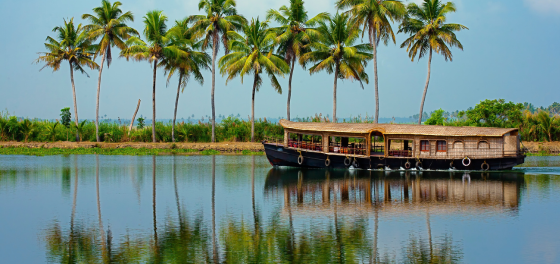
column 256, row 221
column 290, row 86
column 71, row 243
column 101, row 231
column 214, row 242
column 334, row 93
column 133, row 118
column 429, row 235
column 180, row 219
column 214, row 55
column 154, row 104
column 75, row 103
column 97, row 102
column 176, row 104
column 253, row 109
column 374, row 45
column 425, row 88
column 156, row 249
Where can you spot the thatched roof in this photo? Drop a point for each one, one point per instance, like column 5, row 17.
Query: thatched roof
column 396, row 129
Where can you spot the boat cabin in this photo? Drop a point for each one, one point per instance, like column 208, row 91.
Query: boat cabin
column 401, row 141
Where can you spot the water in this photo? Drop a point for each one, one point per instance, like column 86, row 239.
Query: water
column 231, row 209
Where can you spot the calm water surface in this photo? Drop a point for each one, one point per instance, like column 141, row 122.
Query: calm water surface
column 231, row 209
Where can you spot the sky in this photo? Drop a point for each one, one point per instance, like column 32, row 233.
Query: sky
column 510, row 52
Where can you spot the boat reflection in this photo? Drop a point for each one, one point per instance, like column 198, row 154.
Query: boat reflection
column 314, row 191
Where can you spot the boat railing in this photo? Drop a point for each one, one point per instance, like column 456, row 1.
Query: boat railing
column 377, row 150
column 308, row 145
column 274, row 141
column 400, row 153
column 352, row 148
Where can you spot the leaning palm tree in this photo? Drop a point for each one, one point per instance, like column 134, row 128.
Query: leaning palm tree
column 253, row 53
column 159, row 48
column 109, row 24
column 375, row 16
column 187, row 66
column 429, row 32
column 72, row 45
column 221, row 17
column 336, row 53
column 295, row 31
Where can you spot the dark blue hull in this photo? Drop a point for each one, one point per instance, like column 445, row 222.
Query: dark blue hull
column 279, row 156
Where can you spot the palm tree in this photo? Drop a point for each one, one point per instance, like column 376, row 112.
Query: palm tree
column 160, row 47
column 187, row 66
column 221, row 17
column 429, row 32
column 254, row 54
column 336, row 53
column 293, row 34
column 109, row 24
column 547, row 124
column 376, row 17
column 72, row 45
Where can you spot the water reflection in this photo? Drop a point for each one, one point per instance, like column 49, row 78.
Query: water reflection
column 362, row 192
column 282, row 215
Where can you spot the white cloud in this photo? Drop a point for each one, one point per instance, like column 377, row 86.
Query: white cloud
column 544, row 6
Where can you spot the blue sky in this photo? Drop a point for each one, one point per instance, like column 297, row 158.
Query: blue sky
column 509, row 52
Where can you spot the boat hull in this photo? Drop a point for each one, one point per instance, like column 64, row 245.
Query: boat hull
column 278, row 155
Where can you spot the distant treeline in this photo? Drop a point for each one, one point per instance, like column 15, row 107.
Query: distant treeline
column 535, row 124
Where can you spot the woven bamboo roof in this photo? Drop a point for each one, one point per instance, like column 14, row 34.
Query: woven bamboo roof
column 396, row 129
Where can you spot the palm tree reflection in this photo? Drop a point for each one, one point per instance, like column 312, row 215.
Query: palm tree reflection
column 344, row 227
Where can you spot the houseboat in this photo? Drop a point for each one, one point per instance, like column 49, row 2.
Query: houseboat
column 394, row 147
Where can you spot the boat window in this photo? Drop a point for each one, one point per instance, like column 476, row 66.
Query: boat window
column 441, row 146
column 303, row 141
column 483, row 145
column 348, row 145
column 400, row 147
column 458, row 145
column 424, row 145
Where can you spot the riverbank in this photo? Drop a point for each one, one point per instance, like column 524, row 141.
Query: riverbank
column 141, row 148
column 129, row 148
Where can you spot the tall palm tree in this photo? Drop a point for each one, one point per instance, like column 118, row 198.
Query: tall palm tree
column 72, row 45
column 221, row 17
column 547, row 124
column 375, row 17
column 294, row 32
column 160, row 47
column 428, row 32
column 187, row 66
column 336, row 53
column 253, row 53
column 109, row 24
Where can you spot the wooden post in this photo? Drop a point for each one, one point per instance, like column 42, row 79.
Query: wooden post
column 133, row 117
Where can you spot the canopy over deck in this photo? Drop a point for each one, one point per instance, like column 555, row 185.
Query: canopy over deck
column 396, row 129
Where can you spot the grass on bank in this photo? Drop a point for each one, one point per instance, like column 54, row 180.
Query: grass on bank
column 113, row 151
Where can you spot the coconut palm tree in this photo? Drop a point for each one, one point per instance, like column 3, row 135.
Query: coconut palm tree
column 108, row 23
column 428, row 32
column 160, row 47
column 72, row 45
column 375, row 17
column 187, row 66
column 253, row 53
column 221, row 17
column 547, row 124
column 336, row 53
column 295, row 31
